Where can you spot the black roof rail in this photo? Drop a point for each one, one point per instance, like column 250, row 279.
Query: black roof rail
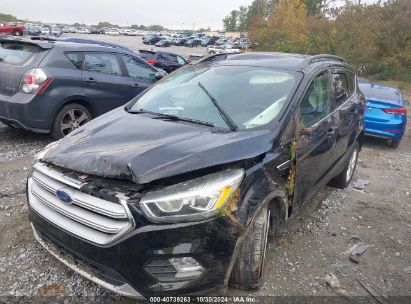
column 320, row 57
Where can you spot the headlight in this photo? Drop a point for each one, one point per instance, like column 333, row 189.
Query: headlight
column 193, row 200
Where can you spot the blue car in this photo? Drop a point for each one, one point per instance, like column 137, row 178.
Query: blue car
column 386, row 115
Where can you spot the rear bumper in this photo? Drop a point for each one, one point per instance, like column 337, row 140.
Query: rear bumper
column 393, row 129
column 30, row 112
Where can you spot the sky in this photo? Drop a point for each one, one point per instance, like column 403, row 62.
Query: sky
column 169, row 13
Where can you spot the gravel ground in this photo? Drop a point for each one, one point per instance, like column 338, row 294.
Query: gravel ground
column 299, row 258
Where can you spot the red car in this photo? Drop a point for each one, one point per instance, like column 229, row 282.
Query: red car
column 11, row 29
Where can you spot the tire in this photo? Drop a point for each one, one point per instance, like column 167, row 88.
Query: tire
column 343, row 179
column 69, row 118
column 17, row 33
column 394, row 143
column 249, row 267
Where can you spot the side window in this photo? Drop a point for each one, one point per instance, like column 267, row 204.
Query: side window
column 102, row 63
column 317, row 101
column 351, row 82
column 76, row 59
column 181, row 60
column 161, row 57
column 167, row 57
column 341, row 92
column 137, row 69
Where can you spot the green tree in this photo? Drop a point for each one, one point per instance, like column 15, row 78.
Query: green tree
column 8, row 18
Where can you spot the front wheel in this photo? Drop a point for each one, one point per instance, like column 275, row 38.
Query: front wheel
column 344, row 178
column 69, row 118
column 249, row 266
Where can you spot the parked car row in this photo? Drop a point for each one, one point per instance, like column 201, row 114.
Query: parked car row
column 195, row 41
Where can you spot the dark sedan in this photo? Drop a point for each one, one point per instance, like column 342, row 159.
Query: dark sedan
column 166, row 61
column 151, row 39
column 193, row 42
column 163, row 43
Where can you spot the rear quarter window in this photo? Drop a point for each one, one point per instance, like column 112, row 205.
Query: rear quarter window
column 17, row 53
column 76, row 59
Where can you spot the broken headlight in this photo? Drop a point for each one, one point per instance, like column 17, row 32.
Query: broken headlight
column 192, row 200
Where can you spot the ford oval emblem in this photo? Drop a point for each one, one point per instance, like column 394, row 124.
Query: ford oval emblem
column 64, row 196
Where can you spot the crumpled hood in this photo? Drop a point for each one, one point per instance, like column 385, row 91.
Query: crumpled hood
column 142, row 149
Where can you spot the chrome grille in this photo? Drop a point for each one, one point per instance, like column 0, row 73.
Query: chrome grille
column 88, row 217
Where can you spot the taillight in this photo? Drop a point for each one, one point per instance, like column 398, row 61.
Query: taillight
column 35, row 79
column 152, row 62
column 400, row 111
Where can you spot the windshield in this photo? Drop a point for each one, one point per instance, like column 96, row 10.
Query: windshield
column 246, row 96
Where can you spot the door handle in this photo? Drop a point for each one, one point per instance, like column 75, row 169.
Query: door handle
column 136, row 85
column 90, row 80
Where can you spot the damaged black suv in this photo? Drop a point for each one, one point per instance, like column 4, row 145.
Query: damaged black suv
column 175, row 193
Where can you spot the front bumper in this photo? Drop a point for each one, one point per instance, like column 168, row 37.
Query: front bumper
column 120, row 266
column 124, row 289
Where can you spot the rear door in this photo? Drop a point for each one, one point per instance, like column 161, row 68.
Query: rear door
column 139, row 74
column 316, row 137
column 104, row 81
column 346, row 108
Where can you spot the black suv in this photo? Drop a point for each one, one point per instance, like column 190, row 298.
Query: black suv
column 166, row 61
column 56, row 86
column 175, row 193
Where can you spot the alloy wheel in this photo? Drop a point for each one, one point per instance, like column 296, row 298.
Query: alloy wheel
column 73, row 119
column 351, row 165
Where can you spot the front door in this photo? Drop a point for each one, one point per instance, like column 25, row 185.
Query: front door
column 104, row 82
column 140, row 75
column 317, row 132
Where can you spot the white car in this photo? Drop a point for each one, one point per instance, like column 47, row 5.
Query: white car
column 215, row 49
column 231, row 51
column 130, row 33
column 45, row 31
column 82, row 31
column 112, row 33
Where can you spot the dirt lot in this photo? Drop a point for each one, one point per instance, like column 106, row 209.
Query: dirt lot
column 299, row 258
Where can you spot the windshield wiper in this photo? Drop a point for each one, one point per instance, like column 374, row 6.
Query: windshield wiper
column 230, row 123
column 172, row 117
